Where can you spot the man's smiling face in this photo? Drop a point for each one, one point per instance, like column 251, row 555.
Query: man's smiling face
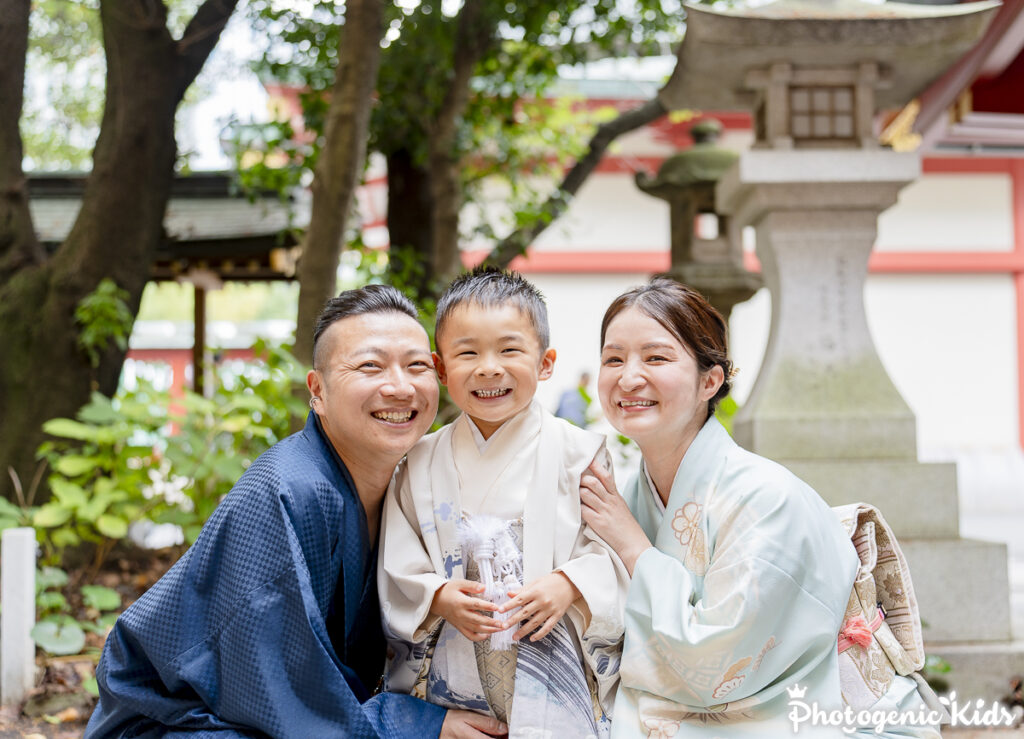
column 377, row 387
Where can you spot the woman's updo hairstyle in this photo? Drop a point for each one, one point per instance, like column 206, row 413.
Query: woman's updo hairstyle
column 688, row 317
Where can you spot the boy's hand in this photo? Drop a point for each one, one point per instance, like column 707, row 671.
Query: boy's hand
column 454, row 603
column 542, row 605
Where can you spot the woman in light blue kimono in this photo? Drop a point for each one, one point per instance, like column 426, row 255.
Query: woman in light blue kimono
column 735, row 609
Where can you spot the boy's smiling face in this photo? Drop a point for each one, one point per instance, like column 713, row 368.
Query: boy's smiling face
column 491, row 361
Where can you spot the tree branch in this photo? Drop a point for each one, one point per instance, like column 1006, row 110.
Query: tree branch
column 516, row 243
column 18, row 244
column 201, row 35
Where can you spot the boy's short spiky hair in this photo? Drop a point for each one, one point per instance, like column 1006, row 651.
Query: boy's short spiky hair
column 491, row 287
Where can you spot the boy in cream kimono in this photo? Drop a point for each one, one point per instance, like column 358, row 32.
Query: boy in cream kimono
column 495, row 596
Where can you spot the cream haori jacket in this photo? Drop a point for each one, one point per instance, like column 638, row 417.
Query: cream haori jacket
column 530, row 467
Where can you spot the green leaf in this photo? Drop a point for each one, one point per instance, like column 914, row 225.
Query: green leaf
column 50, row 515
column 50, row 577
column 101, row 501
column 229, row 467
column 68, row 493
column 100, row 598
column 247, row 401
column 8, row 523
column 100, row 626
column 192, row 533
column 59, row 637
column 113, row 527
column 99, row 410
column 91, row 687
column 175, row 516
column 64, row 537
column 69, row 429
column 234, row 424
column 73, row 465
column 49, row 600
column 9, row 510
column 103, row 486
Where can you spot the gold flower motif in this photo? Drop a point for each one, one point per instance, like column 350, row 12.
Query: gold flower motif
column 686, row 522
column 894, row 587
column 687, row 527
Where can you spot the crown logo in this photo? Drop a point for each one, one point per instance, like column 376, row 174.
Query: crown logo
column 796, row 691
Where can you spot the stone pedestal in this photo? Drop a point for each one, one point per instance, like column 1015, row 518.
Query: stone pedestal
column 824, row 406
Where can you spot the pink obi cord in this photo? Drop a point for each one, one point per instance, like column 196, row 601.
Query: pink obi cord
column 858, row 631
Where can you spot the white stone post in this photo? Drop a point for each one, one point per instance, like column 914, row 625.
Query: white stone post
column 17, row 596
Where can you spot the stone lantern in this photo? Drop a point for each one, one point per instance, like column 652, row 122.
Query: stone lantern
column 815, row 74
column 706, row 253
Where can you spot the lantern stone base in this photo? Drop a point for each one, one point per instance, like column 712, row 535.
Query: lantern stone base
column 824, row 406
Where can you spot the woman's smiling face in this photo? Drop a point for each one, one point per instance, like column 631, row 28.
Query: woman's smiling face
column 650, row 385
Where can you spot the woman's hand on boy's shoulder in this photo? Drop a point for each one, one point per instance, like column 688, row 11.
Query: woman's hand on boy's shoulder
column 605, row 511
column 455, row 603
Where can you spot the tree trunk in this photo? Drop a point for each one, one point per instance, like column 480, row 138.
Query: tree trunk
column 340, row 165
column 18, row 244
column 473, row 35
column 410, row 209
column 44, row 373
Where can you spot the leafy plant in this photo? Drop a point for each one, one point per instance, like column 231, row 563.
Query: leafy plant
column 145, row 455
column 99, row 472
column 57, row 631
column 103, row 316
column 217, row 438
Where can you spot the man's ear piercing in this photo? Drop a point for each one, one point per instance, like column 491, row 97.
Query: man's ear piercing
column 313, row 400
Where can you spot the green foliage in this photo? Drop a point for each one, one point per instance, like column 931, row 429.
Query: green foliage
column 217, row 438
column 147, row 455
column 100, row 598
column 935, row 672
column 65, row 78
column 57, row 631
column 726, row 412
column 65, row 68
column 59, row 635
column 103, row 316
column 12, row 516
column 98, row 472
column 509, row 136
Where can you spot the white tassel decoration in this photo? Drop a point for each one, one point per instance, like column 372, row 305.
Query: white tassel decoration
column 489, row 542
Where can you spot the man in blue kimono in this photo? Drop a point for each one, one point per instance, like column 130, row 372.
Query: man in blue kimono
column 269, row 624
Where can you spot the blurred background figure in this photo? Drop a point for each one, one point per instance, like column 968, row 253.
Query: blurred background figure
column 575, row 401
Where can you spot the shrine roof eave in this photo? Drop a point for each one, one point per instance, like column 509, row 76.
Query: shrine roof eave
column 912, row 44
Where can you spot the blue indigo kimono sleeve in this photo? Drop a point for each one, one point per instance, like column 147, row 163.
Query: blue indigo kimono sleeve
column 265, row 627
